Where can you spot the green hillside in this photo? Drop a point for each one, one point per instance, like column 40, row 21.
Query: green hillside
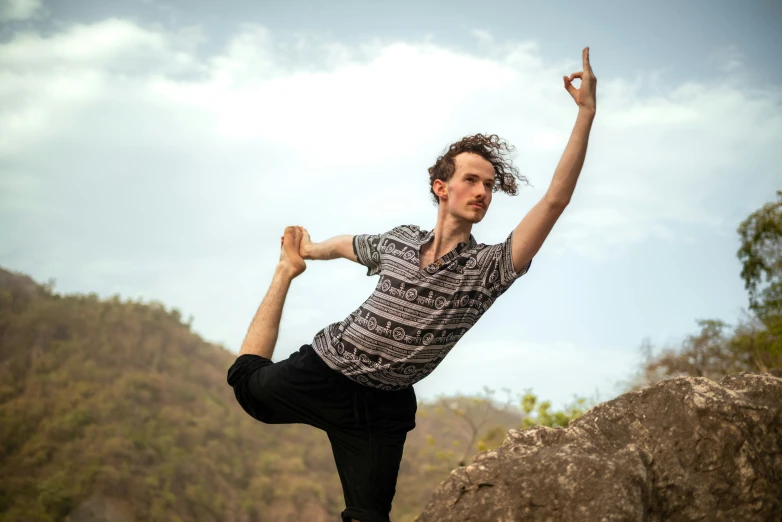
column 118, row 403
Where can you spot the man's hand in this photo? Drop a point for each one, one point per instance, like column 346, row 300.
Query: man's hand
column 291, row 264
column 305, row 248
column 585, row 95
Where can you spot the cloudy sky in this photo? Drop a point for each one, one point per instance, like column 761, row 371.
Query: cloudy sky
column 157, row 149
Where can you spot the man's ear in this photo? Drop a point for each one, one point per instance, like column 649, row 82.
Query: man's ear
column 440, row 188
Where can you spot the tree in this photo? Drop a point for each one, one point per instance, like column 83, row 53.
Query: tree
column 761, row 250
column 761, row 255
column 474, row 411
column 542, row 416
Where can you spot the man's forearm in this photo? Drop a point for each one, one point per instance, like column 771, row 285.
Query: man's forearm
column 327, row 249
column 566, row 174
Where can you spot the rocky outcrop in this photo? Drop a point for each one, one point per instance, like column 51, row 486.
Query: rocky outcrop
column 685, row 449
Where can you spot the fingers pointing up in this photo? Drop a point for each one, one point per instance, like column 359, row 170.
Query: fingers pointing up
column 585, row 56
column 584, row 96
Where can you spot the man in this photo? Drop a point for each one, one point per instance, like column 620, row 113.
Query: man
column 355, row 380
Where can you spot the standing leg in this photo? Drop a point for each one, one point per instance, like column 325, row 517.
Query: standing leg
column 368, row 470
column 368, row 455
column 262, row 335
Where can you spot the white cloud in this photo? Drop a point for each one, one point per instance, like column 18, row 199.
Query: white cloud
column 352, row 122
column 483, row 36
column 46, row 81
column 728, row 58
column 19, row 9
column 97, row 46
column 650, row 160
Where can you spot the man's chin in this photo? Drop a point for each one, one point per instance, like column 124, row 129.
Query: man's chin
column 473, row 217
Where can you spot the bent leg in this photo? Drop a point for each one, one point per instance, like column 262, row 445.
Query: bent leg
column 263, row 331
column 301, row 389
column 262, row 335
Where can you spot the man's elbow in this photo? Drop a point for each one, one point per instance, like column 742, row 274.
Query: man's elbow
column 557, row 203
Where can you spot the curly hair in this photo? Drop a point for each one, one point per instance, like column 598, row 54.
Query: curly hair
column 491, row 148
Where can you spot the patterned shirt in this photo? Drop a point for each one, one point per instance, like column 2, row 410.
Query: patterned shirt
column 414, row 316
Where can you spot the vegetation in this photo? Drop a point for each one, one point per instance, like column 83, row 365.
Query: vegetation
column 105, row 400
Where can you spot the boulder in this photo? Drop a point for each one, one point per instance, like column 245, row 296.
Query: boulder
column 685, row 449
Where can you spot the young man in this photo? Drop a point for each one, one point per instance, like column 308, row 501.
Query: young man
column 355, row 380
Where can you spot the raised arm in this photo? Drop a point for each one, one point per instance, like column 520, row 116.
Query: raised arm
column 531, row 232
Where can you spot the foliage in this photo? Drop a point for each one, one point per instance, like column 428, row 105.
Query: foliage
column 541, row 416
column 761, row 255
column 122, row 400
column 474, row 412
column 485, row 421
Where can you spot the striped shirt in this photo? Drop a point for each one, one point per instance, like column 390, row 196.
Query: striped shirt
column 414, row 316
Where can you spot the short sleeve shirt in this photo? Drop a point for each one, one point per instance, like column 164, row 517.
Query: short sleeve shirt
column 414, row 316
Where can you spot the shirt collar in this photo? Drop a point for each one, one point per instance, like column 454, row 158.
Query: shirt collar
column 470, row 243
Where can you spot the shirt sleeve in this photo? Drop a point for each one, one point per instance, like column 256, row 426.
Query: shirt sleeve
column 501, row 273
column 367, row 248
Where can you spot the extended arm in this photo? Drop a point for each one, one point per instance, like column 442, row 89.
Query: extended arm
column 532, row 231
column 334, row 248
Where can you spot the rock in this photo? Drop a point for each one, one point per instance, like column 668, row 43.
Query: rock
column 685, row 449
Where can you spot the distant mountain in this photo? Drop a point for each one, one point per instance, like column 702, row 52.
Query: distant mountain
column 116, row 410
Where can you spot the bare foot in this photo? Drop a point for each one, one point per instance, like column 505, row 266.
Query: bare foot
column 290, row 260
column 305, row 247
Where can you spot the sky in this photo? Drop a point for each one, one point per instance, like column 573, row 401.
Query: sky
column 157, row 150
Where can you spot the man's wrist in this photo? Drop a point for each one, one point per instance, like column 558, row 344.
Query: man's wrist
column 311, row 251
column 586, row 112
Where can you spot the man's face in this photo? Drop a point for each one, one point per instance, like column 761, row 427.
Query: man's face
column 472, row 182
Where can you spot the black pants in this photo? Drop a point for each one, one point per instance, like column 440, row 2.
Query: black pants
column 367, row 427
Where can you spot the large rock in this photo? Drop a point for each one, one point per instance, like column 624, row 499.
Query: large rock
column 683, row 449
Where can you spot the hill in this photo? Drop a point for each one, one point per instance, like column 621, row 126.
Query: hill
column 117, row 407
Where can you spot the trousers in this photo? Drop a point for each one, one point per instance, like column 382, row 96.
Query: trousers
column 366, row 427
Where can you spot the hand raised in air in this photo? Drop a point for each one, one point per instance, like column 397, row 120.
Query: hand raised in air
column 584, row 95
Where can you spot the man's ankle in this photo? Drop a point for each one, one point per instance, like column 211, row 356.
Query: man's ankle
column 285, row 272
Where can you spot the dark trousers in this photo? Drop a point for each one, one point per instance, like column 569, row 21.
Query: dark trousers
column 367, row 427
